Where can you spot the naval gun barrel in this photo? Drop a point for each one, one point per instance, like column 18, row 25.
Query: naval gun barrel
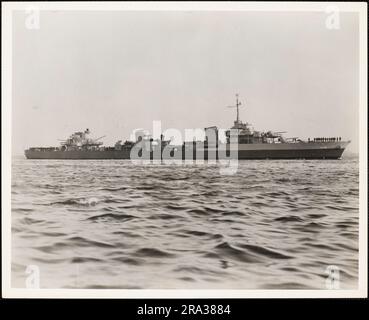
column 99, row 138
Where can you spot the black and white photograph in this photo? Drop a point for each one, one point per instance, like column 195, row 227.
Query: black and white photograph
column 184, row 150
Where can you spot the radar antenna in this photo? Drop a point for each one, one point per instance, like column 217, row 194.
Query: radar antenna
column 238, row 104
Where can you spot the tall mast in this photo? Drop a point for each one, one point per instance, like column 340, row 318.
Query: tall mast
column 237, row 106
column 238, row 103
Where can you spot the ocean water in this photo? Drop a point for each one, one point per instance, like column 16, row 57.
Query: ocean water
column 113, row 224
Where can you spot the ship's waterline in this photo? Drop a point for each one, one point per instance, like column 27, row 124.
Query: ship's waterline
column 325, row 150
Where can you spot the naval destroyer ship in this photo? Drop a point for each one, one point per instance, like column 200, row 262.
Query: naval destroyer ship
column 247, row 144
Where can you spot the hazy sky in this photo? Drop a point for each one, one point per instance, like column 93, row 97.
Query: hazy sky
column 113, row 72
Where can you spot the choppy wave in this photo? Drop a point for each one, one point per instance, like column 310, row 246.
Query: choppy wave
column 110, row 224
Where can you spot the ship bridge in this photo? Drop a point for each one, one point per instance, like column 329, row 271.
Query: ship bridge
column 246, row 135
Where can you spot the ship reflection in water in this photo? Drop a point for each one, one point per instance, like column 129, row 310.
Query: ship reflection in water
column 110, row 224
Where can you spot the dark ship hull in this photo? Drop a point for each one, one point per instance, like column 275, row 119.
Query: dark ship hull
column 301, row 150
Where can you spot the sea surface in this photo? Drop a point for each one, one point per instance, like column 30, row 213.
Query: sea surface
column 114, row 224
